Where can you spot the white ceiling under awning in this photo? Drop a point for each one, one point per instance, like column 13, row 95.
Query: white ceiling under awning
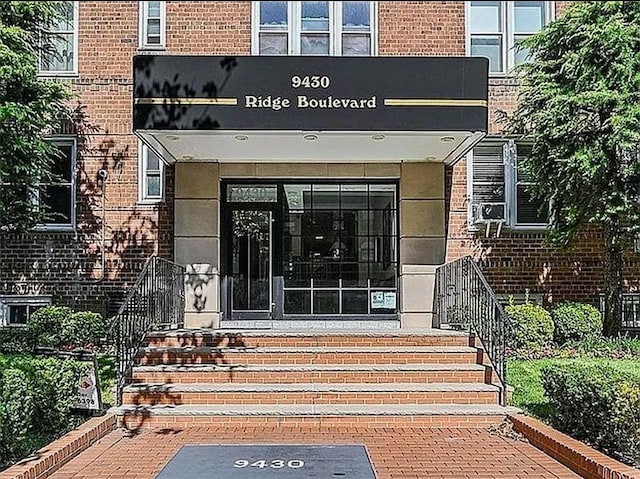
column 304, row 146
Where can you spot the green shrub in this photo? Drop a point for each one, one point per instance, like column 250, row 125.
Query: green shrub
column 576, row 322
column 596, row 404
column 36, row 395
column 531, row 326
column 83, row 328
column 46, row 325
column 626, row 421
column 15, row 341
column 62, row 327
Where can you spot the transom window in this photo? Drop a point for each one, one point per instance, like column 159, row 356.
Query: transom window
column 59, row 41
column 152, row 25
column 313, row 28
column 495, row 29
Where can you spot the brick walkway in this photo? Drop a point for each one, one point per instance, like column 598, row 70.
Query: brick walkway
column 395, row 453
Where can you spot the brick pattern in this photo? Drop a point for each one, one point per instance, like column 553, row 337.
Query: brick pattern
column 69, row 265
column 410, row 453
column 576, row 455
column 56, row 454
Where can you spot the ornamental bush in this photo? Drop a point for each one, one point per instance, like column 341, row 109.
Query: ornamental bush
column 596, row 404
column 36, row 395
column 62, row 327
column 576, row 322
column 531, row 325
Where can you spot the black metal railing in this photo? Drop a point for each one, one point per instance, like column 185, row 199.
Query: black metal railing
column 156, row 301
column 465, row 301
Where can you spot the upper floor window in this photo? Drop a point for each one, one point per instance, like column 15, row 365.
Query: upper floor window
column 495, row 29
column 150, row 176
column 314, row 28
column 152, row 25
column 59, row 48
column 499, row 190
column 57, row 196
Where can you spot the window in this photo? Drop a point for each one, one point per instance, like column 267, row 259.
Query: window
column 314, row 28
column 150, row 176
column 17, row 310
column 152, row 25
column 499, row 190
column 495, row 29
column 59, row 51
column 58, row 195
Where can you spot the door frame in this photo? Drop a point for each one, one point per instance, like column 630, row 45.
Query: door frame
column 226, row 253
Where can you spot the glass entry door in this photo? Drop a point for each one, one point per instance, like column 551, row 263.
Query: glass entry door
column 251, row 263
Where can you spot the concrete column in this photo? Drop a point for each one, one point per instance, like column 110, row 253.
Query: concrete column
column 197, row 240
column 422, row 240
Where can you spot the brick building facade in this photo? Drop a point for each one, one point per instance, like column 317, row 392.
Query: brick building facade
column 92, row 263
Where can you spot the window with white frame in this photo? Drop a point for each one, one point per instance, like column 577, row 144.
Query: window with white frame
column 499, row 190
column 17, row 310
column 314, row 28
column 57, row 196
column 496, row 29
column 150, row 176
column 59, row 41
column 152, row 25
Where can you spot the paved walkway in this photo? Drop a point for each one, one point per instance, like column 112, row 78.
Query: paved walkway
column 395, row 453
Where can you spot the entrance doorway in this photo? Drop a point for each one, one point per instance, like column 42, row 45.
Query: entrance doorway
column 309, row 250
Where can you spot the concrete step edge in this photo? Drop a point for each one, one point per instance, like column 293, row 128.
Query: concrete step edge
column 310, row 350
column 309, row 387
column 309, row 367
column 307, row 333
column 318, row 410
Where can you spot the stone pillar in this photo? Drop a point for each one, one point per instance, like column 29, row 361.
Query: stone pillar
column 197, row 241
column 422, row 240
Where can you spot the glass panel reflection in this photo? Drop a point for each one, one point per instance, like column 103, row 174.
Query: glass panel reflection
column 326, row 302
column 251, row 260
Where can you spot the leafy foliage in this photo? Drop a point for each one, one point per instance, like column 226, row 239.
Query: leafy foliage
column 36, row 395
column 579, row 105
column 597, row 404
column 29, row 108
column 575, row 322
column 531, row 325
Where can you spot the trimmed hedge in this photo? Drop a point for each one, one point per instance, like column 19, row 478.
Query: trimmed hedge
column 57, row 327
column 36, row 395
column 531, row 325
column 596, row 404
column 576, row 322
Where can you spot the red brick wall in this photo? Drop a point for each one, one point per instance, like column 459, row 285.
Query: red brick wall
column 68, row 265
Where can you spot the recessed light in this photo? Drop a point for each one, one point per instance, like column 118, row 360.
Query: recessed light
column 378, row 137
column 447, row 139
column 172, row 137
column 241, row 137
column 188, row 157
column 430, row 158
column 310, row 137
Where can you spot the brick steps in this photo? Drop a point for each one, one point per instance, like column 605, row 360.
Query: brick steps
column 239, row 394
column 347, row 373
column 307, row 338
column 412, row 378
column 405, row 415
column 310, row 355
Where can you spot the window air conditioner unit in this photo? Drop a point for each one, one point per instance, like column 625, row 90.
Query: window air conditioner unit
column 489, row 212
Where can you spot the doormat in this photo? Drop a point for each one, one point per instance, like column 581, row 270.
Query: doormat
column 269, row 461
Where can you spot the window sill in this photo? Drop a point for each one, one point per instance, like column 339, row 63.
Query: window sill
column 150, row 203
column 54, row 228
column 70, row 75
column 152, row 49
